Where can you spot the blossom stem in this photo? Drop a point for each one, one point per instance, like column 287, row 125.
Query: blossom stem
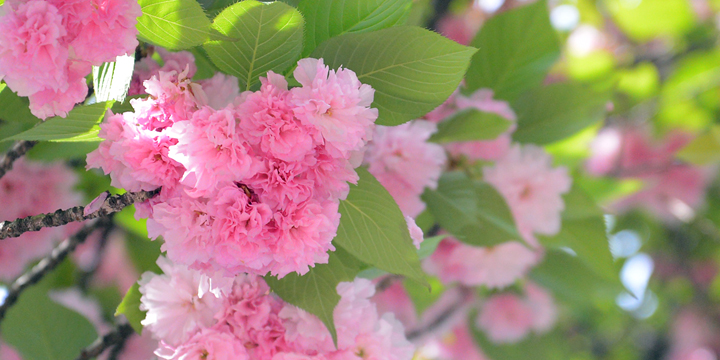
column 111, row 204
column 16, row 151
column 46, row 265
column 113, row 338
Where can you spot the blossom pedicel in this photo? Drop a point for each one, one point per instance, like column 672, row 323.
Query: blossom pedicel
column 250, row 187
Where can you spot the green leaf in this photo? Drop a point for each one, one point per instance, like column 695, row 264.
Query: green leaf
column 570, row 279
column 130, row 307
column 469, row 125
column 316, row 291
column 330, row 18
column 704, row 149
column 15, row 109
column 645, row 20
column 517, row 48
column 173, row 24
column 53, row 151
column 412, row 70
column 40, row 329
column 269, row 38
column 111, row 81
column 420, row 296
column 373, row 229
column 474, row 212
column 143, row 252
column 583, row 231
column 81, row 124
column 557, row 111
column 429, row 245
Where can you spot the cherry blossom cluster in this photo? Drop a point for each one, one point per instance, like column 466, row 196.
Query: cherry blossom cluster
column 405, row 163
column 672, row 189
column 47, row 47
column 195, row 315
column 220, row 90
column 253, row 186
column 31, row 189
column 531, row 186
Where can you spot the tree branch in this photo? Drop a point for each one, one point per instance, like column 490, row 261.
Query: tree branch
column 45, row 265
column 115, row 337
column 104, row 203
column 16, row 151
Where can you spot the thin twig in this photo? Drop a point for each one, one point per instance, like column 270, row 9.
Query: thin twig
column 442, row 319
column 16, row 151
column 110, row 204
column 115, row 337
column 86, row 276
column 45, row 265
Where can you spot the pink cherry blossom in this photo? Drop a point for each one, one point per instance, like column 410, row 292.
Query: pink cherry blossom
column 221, row 90
column 8, row 353
column 360, row 329
column 416, row 234
column 147, row 67
column 178, row 303
column 402, row 159
column 252, row 315
column 173, row 97
column 186, row 225
column 101, row 29
column 394, row 299
column 208, row 344
column 459, row 345
column 136, row 158
column 505, row 318
column 461, row 28
column 268, row 121
column 33, row 52
column 49, row 102
column 494, row 267
column 336, row 103
column 543, row 308
column 212, row 150
column 532, row 188
column 240, row 230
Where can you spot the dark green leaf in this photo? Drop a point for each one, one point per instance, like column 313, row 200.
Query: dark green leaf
column 269, row 38
column 143, row 252
column 474, row 212
column 15, row 109
column 315, row 292
column 130, row 307
column 330, row 18
column 174, row 24
column 111, row 81
column 421, row 297
column 41, row 329
column 53, row 151
column 517, row 48
column 412, row 70
column 583, row 231
column 374, row 230
column 570, row 279
column 469, row 125
column 554, row 112
column 429, row 245
column 81, row 124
